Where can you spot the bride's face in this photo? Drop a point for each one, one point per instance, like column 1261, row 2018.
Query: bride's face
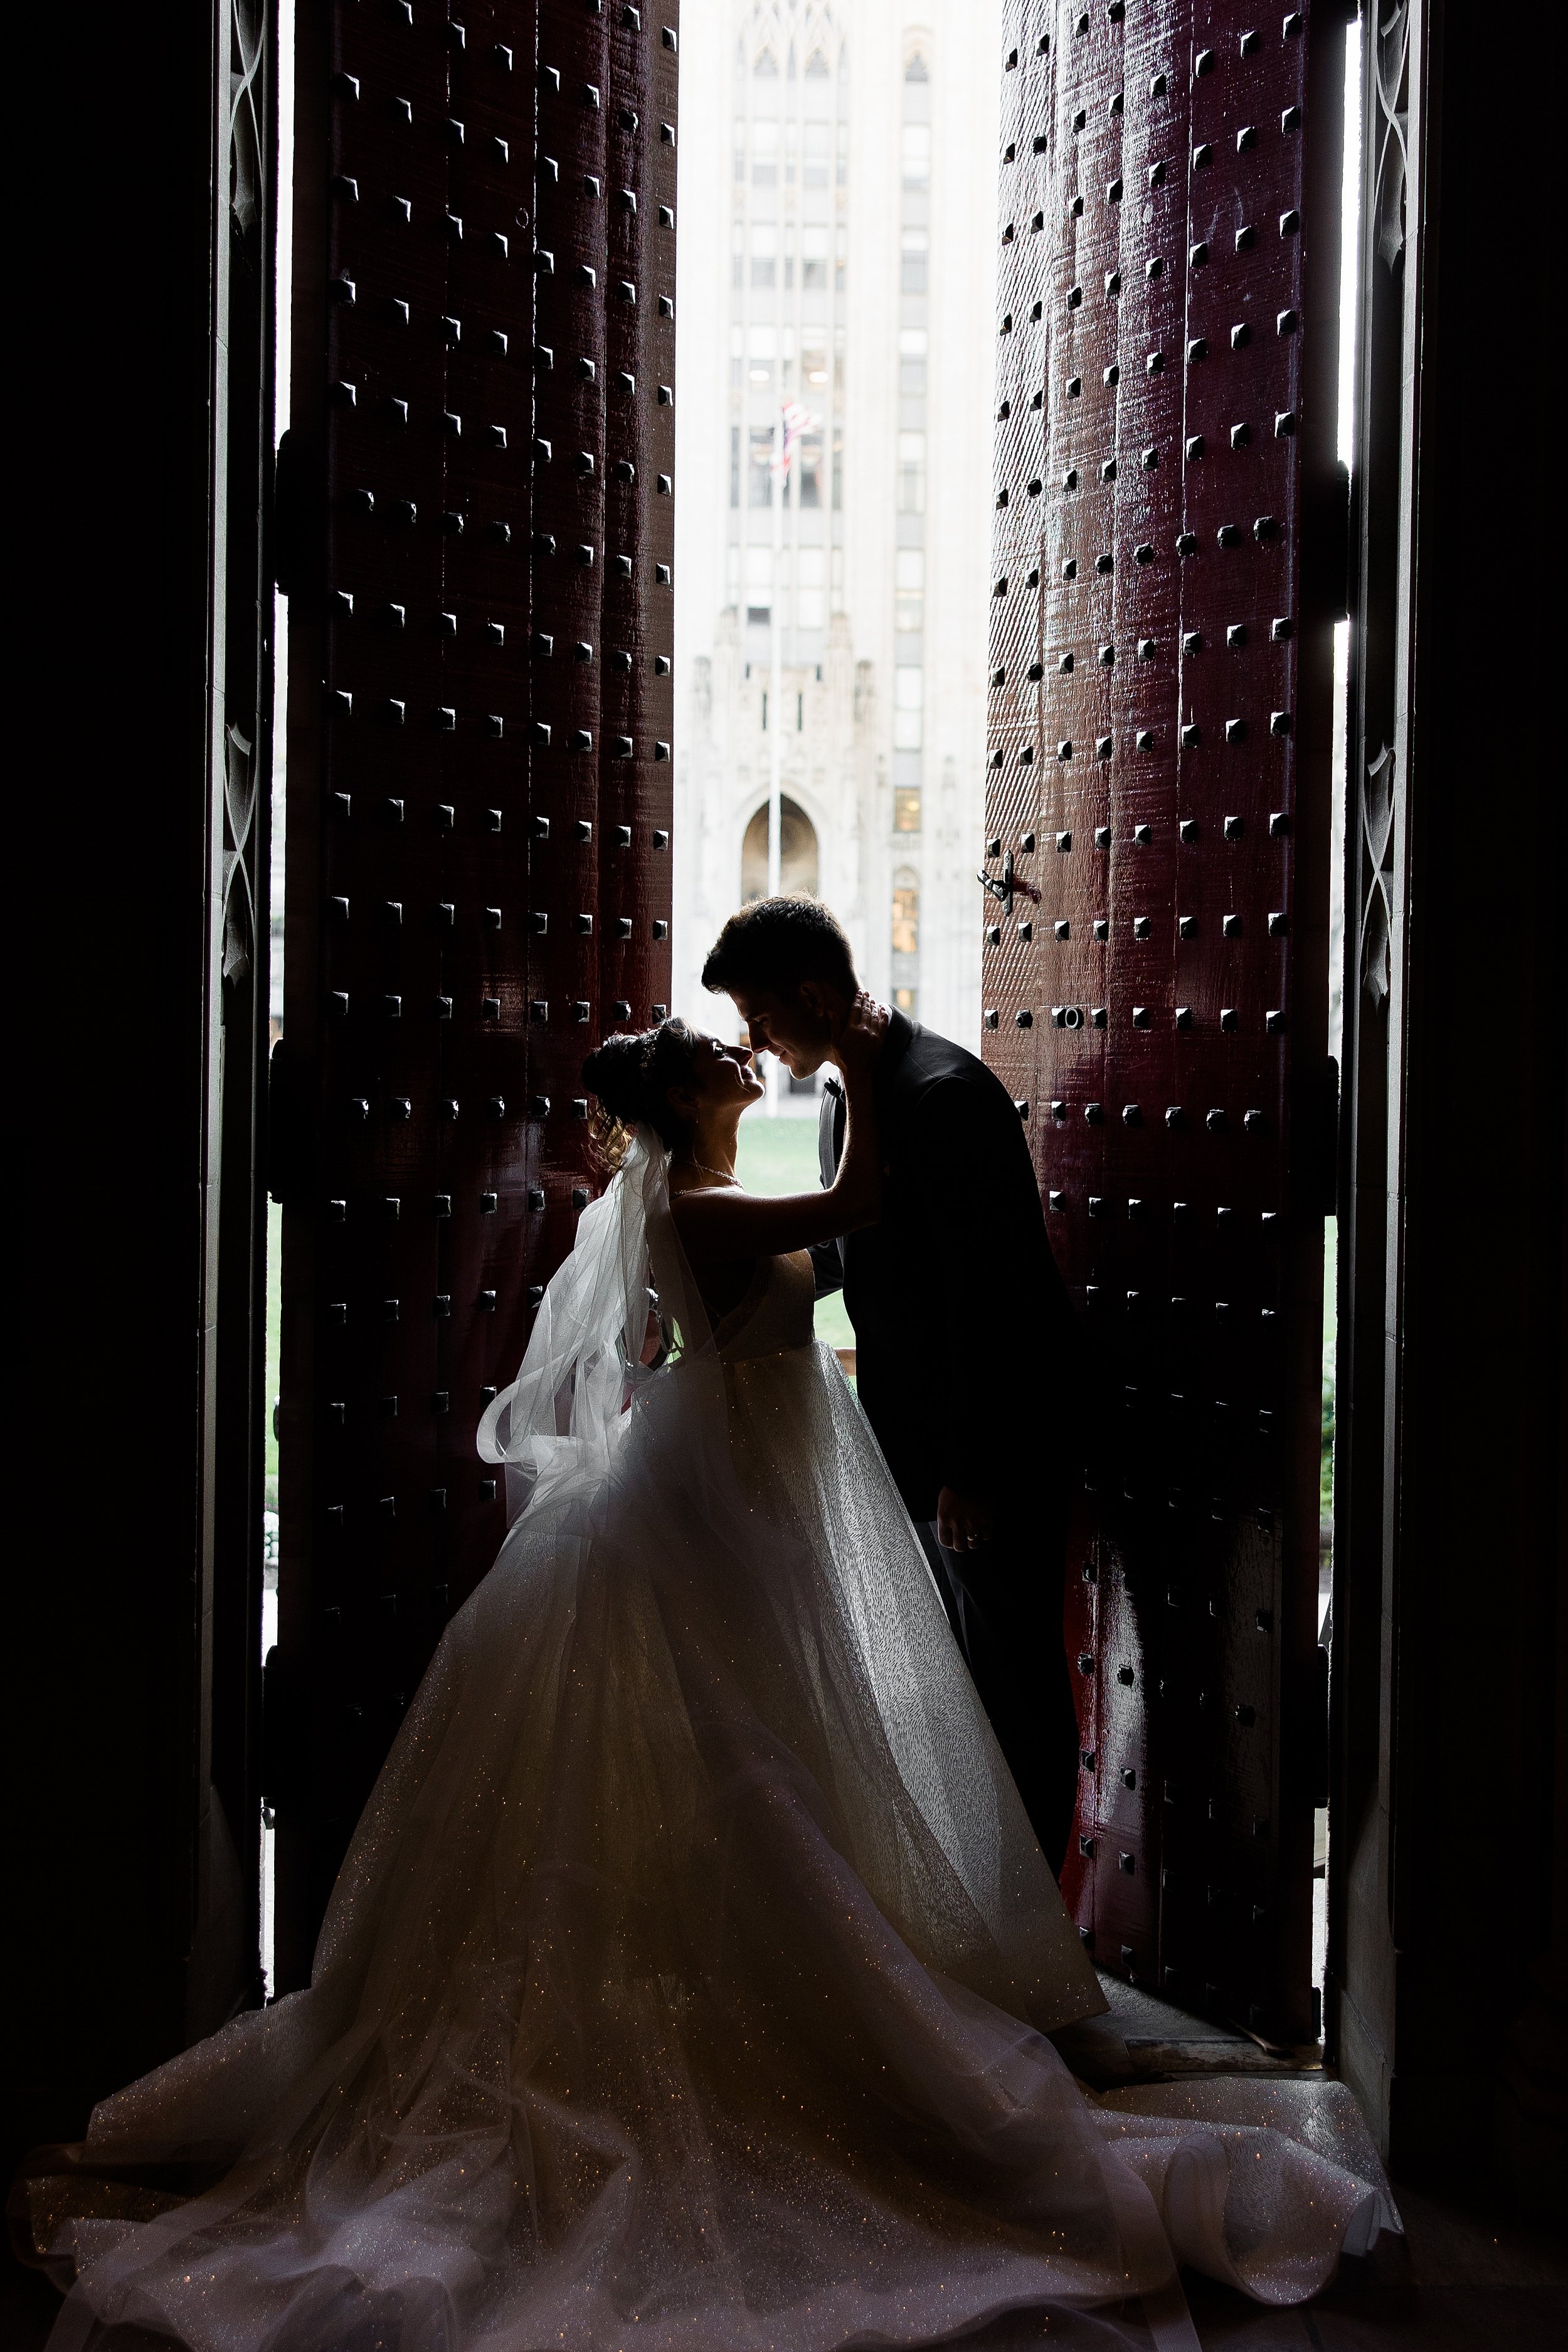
column 723, row 1077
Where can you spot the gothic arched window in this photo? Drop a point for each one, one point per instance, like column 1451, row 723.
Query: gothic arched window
column 799, row 866
column 906, row 939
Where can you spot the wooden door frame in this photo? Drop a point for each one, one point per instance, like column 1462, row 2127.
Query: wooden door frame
column 1450, row 1921
column 225, row 1969
column 1448, row 1905
column 133, row 1490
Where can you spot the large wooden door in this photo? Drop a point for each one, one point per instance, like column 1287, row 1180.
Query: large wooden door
column 1169, row 558
column 476, row 530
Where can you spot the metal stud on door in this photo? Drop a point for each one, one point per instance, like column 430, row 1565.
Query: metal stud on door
column 479, row 611
column 1155, row 982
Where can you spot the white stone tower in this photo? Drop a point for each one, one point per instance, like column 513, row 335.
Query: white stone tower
column 836, row 244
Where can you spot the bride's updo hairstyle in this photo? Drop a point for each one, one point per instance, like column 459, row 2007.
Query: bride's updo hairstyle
column 630, row 1078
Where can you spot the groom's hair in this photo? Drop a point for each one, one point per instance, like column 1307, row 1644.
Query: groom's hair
column 776, row 943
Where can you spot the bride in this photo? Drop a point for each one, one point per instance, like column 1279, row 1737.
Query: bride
column 688, row 1978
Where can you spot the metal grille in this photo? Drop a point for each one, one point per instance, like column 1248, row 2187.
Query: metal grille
column 1154, row 961
column 479, row 523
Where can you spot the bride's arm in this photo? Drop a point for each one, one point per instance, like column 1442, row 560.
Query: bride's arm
column 719, row 1222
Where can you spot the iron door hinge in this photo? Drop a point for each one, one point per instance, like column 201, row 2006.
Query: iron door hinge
column 289, row 1126
column 1314, row 1165
column 1320, row 1748
column 1326, row 545
column 294, row 516
column 282, row 1733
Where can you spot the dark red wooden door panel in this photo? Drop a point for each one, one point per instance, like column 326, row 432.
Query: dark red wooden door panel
column 479, row 512
column 1156, row 987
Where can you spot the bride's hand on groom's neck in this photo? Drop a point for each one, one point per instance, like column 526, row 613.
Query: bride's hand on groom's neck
column 858, row 1035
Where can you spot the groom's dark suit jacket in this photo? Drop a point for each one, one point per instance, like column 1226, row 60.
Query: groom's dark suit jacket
column 963, row 1330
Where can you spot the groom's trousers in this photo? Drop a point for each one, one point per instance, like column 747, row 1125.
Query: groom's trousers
column 1003, row 1600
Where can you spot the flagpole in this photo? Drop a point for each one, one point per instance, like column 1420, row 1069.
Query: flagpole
column 790, row 421
column 776, row 694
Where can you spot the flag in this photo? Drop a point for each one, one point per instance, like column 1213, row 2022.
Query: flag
column 795, row 420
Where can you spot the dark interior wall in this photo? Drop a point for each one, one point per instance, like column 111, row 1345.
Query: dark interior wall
column 1478, row 1834
column 104, row 932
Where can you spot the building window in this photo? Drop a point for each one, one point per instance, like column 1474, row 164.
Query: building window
column 909, row 707
column 735, row 464
column 816, row 67
column 759, row 584
column 814, row 259
column 914, row 246
column 767, row 67
column 910, row 587
column 914, row 150
column 814, row 364
column 836, row 571
column 766, row 154
column 737, row 358
column 840, row 257
column 838, row 470
column 906, row 808
column 842, row 173
column 916, row 67
column 808, row 470
column 762, row 343
column 911, row 363
column 906, row 913
column 797, row 853
column 764, row 254
column 818, row 148
column 811, row 588
column 911, row 473
column 760, row 467
column 904, row 1001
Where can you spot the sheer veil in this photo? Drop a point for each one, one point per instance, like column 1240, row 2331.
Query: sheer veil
column 587, row 1419
column 563, row 1418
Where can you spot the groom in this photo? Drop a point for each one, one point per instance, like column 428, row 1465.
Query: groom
column 962, row 1332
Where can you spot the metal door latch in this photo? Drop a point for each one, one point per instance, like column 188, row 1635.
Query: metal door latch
column 1001, row 891
column 1010, row 885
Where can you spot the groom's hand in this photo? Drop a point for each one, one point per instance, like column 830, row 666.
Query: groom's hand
column 962, row 1521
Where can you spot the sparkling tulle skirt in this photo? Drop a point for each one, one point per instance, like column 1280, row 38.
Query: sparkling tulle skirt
column 684, row 1985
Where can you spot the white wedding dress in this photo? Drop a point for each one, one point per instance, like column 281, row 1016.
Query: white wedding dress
column 685, row 1982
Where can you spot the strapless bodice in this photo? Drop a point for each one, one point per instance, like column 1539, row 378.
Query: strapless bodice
column 775, row 1316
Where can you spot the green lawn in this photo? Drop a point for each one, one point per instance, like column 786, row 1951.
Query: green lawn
column 1326, row 1459
column 779, row 1155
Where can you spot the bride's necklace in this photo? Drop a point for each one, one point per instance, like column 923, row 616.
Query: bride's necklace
column 719, row 1173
